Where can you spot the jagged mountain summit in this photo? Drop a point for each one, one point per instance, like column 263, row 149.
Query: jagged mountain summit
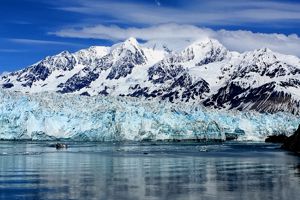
column 202, row 72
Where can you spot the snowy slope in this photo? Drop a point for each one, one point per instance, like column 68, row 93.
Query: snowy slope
column 262, row 80
column 197, row 72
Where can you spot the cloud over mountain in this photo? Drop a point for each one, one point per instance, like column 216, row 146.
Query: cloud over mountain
column 234, row 40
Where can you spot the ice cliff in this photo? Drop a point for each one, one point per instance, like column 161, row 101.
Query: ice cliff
column 48, row 116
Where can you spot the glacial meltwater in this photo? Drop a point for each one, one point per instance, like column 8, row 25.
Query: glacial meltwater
column 236, row 170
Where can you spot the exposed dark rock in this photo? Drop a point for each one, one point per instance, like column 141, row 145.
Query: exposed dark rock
column 120, row 71
column 276, row 138
column 85, row 94
column 124, row 65
column 7, row 85
column 292, row 143
column 226, row 95
column 78, row 81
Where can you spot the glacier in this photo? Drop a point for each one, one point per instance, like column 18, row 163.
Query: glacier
column 52, row 116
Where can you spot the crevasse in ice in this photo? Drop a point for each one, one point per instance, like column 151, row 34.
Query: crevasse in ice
column 48, row 116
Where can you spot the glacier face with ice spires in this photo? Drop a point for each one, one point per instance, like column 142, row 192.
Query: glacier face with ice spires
column 48, row 116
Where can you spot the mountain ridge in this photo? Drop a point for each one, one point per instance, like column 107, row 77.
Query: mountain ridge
column 204, row 72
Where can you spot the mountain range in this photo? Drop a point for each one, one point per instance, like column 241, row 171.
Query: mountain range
column 196, row 72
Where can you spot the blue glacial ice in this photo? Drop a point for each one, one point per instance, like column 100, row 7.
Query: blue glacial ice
column 48, row 116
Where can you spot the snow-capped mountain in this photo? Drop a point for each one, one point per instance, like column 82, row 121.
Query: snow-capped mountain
column 202, row 72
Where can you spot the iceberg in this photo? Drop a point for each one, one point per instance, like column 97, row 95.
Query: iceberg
column 51, row 116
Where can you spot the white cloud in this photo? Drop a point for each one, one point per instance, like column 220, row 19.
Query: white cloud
column 39, row 42
column 234, row 40
column 204, row 12
column 12, row 51
column 116, row 33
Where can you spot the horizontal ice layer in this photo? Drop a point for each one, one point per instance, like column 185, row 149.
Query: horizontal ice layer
column 48, row 116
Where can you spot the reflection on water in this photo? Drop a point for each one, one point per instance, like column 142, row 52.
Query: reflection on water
column 167, row 171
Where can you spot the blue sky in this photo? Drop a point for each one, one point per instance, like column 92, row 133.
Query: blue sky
column 33, row 29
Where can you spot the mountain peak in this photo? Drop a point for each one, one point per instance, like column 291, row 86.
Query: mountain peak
column 64, row 53
column 264, row 50
column 131, row 41
column 205, row 51
column 208, row 42
column 264, row 54
column 130, row 44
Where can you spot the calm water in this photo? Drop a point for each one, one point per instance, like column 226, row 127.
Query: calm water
column 148, row 171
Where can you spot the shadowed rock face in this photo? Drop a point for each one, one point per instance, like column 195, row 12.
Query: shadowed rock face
column 276, row 138
column 293, row 142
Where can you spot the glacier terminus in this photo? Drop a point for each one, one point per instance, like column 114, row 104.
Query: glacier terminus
column 52, row 116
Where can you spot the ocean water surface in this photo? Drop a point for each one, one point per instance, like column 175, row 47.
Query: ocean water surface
column 233, row 170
